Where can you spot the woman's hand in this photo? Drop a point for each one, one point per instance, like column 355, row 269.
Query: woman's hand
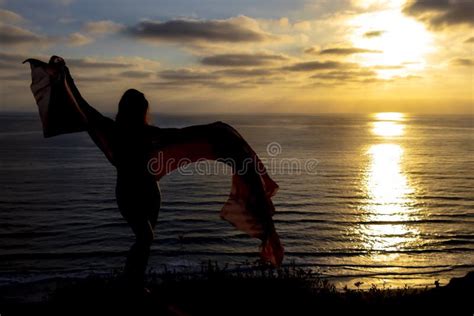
column 56, row 60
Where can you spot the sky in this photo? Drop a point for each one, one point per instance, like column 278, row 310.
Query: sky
column 221, row 56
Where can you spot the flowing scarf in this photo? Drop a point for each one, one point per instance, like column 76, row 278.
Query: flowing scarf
column 249, row 206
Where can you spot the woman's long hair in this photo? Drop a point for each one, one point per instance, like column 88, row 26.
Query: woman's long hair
column 132, row 109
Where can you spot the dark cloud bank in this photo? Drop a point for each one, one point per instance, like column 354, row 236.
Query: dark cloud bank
column 441, row 13
column 195, row 30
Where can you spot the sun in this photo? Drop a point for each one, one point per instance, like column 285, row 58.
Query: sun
column 403, row 42
column 388, row 124
column 389, row 116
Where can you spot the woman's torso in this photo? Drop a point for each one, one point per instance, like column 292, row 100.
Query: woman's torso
column 132, row 152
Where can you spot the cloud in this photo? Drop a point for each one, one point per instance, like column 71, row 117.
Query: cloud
column 411, row 63
column 173, row 78
column 304, row 26
column 126, row 66
column 373, row 34
column 344, row 51
column 11, row 58
column 7, row 16
column 240, row 29
column 119, row 63
column 90, row 63
column 78, row 39
column 440, row 13
column 467, row 62
column 390, row 67
column 86, row 80
column 318, row 65
column 136, row 74
column 11, row 61
column 346, row 75
column 221, row 79
column 13, row 35
column 91, row 31
column 87, row 70
column 246, row 72
column 187, row 75
column 469, row 40
column 16, row 77
column 62, row 2
column 102, row 27
column 100, row 80
column 239, row 60
column 119, row 70
column 67, row 20
column 179, row 84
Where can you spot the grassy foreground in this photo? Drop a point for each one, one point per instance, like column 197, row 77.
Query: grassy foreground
column 217, row 291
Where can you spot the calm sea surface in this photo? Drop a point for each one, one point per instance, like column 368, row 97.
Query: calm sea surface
column 382, row 198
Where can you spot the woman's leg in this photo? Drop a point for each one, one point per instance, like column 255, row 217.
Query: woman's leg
column 155, row 206
column 137, row 258
column 140, row 208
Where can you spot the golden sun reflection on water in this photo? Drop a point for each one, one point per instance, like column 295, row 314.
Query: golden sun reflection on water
column 389, row 207
column 387, row 129
column 389, row 116
column 388, row 124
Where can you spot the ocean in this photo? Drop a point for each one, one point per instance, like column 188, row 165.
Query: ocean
column 375, row 198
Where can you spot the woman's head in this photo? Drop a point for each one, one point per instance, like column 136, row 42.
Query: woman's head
column 132, row 109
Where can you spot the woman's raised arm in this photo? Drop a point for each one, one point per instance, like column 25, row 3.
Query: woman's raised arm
column 94, row 117
column 100, row 128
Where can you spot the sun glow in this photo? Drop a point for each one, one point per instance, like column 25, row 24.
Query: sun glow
column 402, row 42
column 387, row 129
column 388, row 124
column 389, row 116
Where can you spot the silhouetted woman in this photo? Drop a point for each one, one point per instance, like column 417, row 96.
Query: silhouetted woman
column 130, row 143
column 137, row 191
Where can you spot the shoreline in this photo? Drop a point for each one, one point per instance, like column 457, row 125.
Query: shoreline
column 216, row 291
column 365, row 279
